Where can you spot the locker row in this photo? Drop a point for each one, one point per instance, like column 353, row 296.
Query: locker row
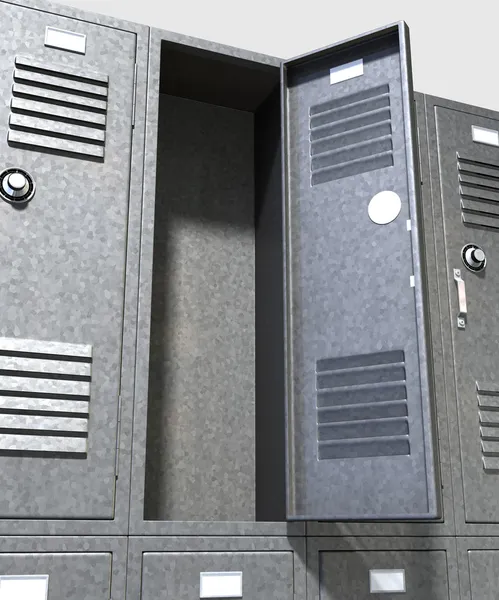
column 241, row 296
column 155, row 568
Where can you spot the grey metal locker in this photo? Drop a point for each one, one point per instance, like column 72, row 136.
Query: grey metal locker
column 67, row 111
column 192, row 568
column 478, row 568
column 364, row 568
column 57, row 568
column 209, row 458
column 360, row 419
column 464, row 161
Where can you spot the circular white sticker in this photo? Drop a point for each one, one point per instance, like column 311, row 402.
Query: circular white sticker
column 384, row 207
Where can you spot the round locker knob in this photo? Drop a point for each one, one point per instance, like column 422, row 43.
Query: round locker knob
column 16, row 186
column 474, row 258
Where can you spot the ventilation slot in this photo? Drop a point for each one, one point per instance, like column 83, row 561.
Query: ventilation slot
column 58, row 109
column 479, row 191
column 44, row 398
column 351, row 135
column 488, row 414
column 362, row 406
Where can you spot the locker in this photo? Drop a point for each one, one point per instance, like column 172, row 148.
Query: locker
column 464, row 175
column 209, row 423
column 54, row 568
column 65, row 182
column 478, row 567
column 359, row 392
column 189, row 569
column 231, row 292
column 384, row 567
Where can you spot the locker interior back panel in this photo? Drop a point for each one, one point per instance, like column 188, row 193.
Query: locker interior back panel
column 360, row 440
column 66, row 121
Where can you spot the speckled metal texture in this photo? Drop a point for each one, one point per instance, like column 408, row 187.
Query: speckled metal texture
column 478, row 560
column 349, row 290
column 474, row 490
column 139, row 524
column 446, row 525
column 339, row 568
column 162, row 567
column 97, row 299
column 203, row 323
column 79, row 568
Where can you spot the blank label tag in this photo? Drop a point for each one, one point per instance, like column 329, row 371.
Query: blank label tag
column 485, row 136
column 220, row 585
column 24, row 587
column 346, row 71
column 385, row 581
column 65, row 40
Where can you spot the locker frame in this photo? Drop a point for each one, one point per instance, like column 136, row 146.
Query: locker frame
column 138, row 525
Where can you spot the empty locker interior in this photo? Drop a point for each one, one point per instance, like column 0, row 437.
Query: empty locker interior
column 215, row 425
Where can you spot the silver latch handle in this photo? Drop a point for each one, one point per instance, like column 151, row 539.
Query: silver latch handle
column 461, row 295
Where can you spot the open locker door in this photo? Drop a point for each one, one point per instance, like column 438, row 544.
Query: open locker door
column 360, row 421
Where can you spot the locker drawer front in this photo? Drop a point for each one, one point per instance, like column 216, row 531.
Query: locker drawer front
column 419, row 575
column 265, row 575
column 484, row 574
column 79, row 576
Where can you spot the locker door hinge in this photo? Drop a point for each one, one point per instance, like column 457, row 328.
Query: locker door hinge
column 118, row 438
column 134, row 94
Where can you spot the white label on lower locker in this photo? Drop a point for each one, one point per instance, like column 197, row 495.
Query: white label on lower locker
column 346, row 71
column 24, row 587
column 220, row 585
column 65, row 40
column 485, row 136
column 383, row 581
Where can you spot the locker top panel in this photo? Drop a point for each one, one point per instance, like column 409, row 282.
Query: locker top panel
column 360, row 419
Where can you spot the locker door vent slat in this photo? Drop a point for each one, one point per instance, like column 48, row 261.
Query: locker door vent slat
column 479, row 192
column 44, row 398
column 351, row 135
column 58, row 108
column 362, row 406
column 488, row 417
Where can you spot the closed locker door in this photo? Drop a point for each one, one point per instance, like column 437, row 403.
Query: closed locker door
column 483, row 568
column 195, row 575
column 65, row 146
column 418, row 575
column 360, row 442
column 469, row 175
column 54, row 576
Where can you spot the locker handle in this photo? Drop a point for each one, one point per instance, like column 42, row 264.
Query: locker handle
column 461, row 295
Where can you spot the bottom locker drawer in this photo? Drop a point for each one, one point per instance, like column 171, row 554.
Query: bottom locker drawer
column 74, row 568
column 478, row 568
column 199, row 575
column 377, row 568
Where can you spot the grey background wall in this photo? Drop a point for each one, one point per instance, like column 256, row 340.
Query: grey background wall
column 453, row 48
